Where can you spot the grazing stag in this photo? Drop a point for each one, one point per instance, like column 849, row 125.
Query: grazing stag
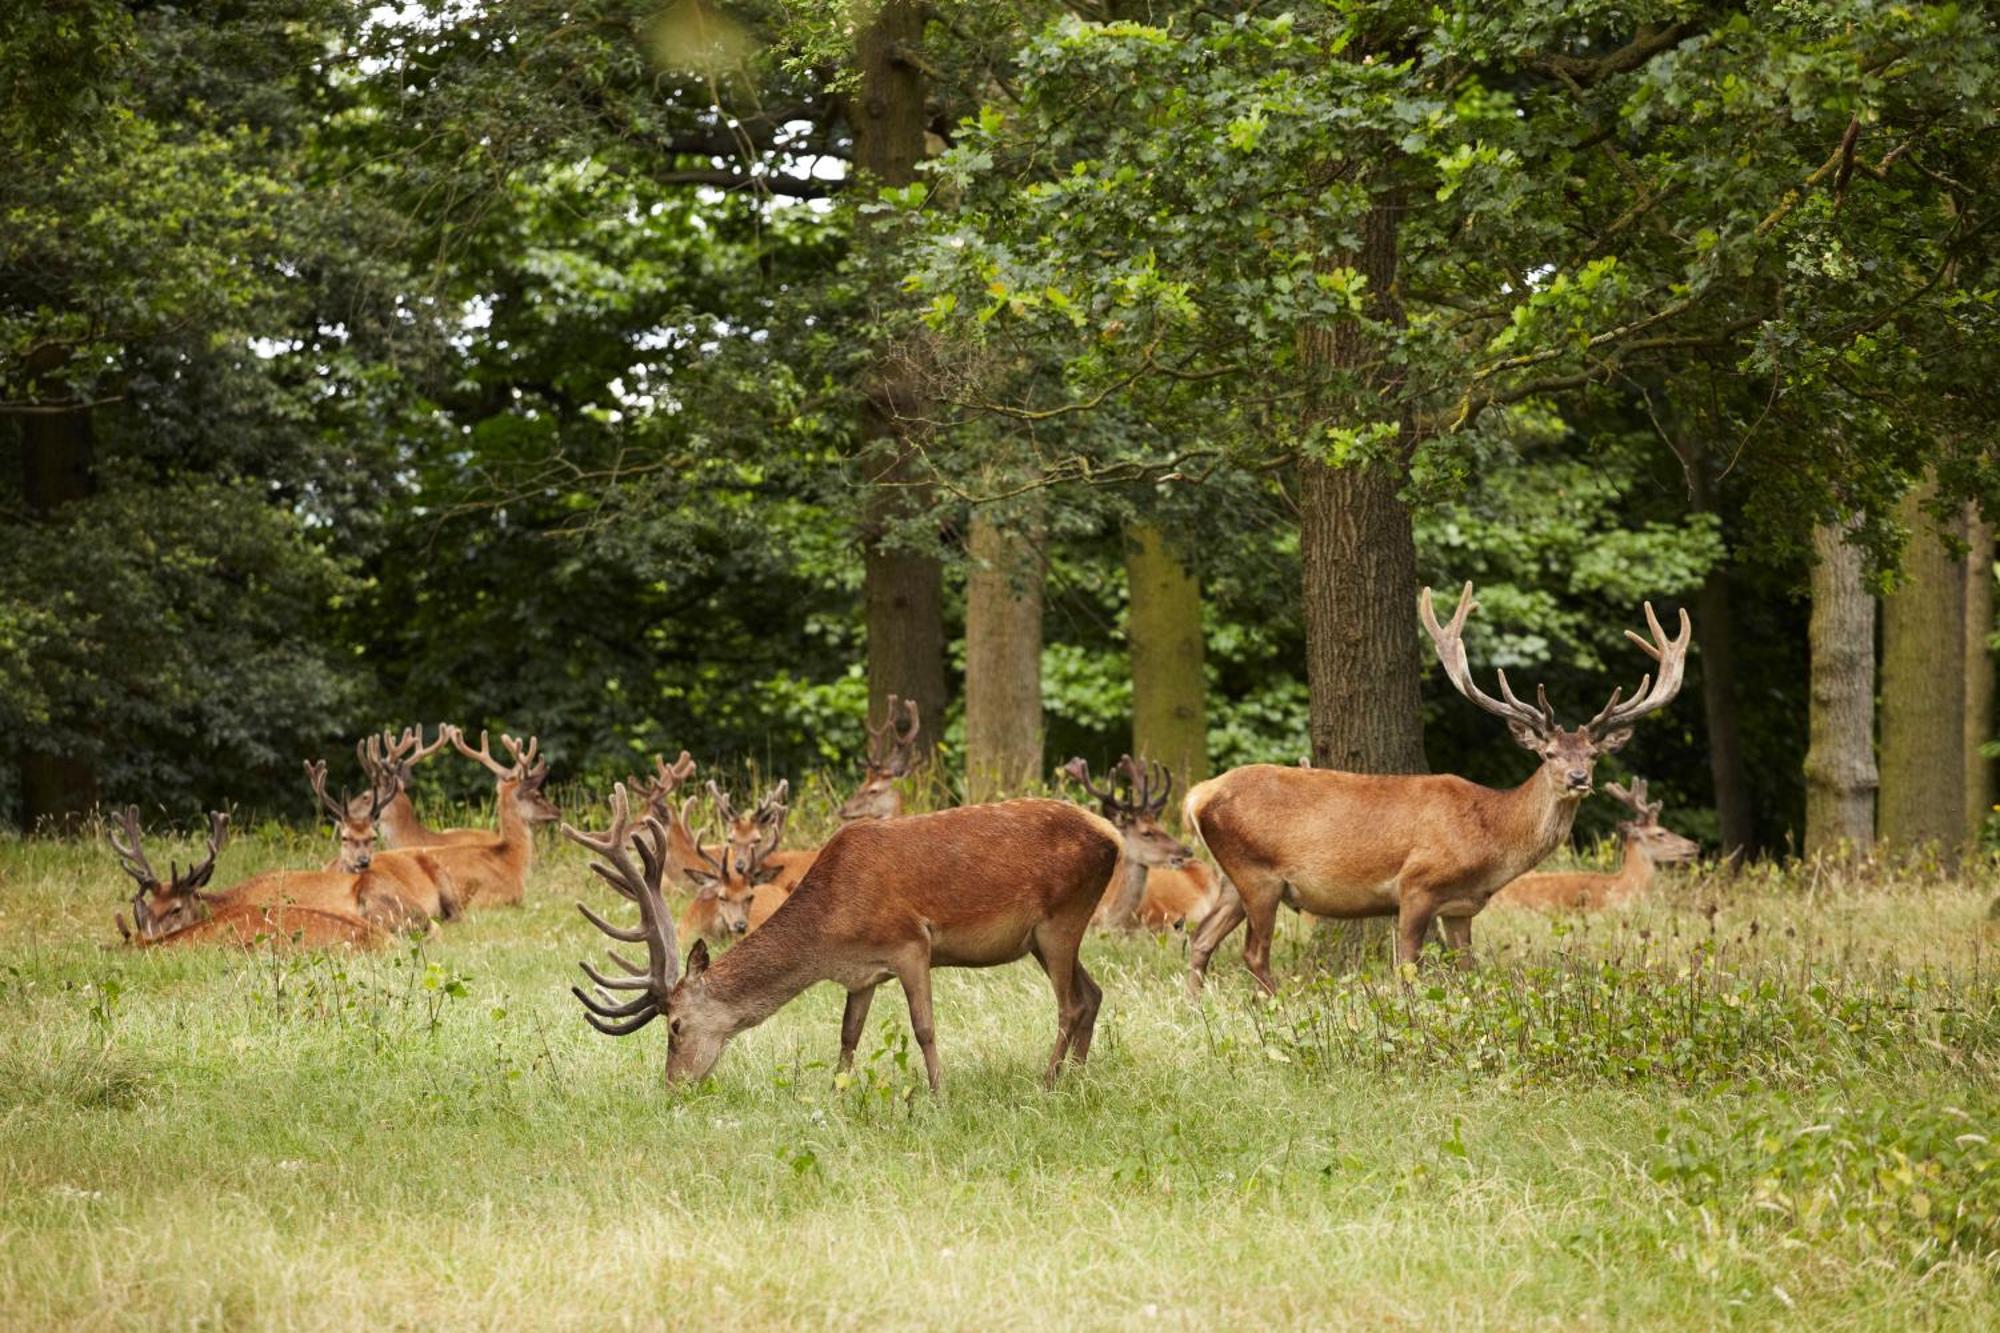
column 419, row 882
column 1648, row 845
column 971, row 887
column 389, row 761
column 177, row 911
column 1415, row 847
column 494, row 868
column 892, row 753
column 1161, row 886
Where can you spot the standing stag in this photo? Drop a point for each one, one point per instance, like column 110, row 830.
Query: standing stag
column 1160, row 886
column 1648, row 845
column 971, row 887
column 178, row 910
column 1415, row 847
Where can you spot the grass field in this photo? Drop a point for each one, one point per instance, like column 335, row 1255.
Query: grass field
column 1766, row 1101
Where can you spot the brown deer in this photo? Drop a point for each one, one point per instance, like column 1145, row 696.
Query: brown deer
column 1161, row 886
column 389, row 760
column 177, row 912
column 724, row 886
column 1648, row 845
column 654, row 793
column 419, row 881
column 1415, row 847
column 494, row 868
column 892, row 754
column 971, row 887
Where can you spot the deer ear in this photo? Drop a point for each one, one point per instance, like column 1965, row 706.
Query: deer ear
column 1614, row 741
column 697, row 962
column 1525, row 736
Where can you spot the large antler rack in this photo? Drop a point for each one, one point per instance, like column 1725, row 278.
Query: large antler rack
column 892, row 746
column 639, row 885
column 1450, row 643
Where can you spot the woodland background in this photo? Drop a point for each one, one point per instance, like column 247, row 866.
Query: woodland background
column 660, row 375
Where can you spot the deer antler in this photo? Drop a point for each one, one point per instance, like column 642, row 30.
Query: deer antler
column 1635, row 799
column 723, row 808
column 907, row 728
column 483, row 755
column 772, row 812
column 1145, row 780
column 316, row 774
column 639, row 885
column 1077, row 770
column 131, row 857
column 1450, row 645
column 1671, row 654
column 683, row 834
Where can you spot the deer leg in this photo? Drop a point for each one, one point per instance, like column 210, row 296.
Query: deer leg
column 1457, row 932
column 1260, row 904
column 1057, row 955
column 1223, row 918
column 852, row 1020
column 1086, row 1025
column 916, row 979
column 1413, row 920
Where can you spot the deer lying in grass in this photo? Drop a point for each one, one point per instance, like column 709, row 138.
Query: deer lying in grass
column 419, row 882
column 1648, row 845
column 493, row 868
column 1161, row 885
column 971, row 887
column 1416, row 847
column 724, row 875
column 177, row 911
column 389, row 761
column 655, row 793
column 892, row 754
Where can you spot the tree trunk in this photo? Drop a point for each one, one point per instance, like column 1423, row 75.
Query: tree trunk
column 905, row 583
column 57, row 456
column 1840, row 759
column 1978, row 670
column 1359, row 556
column 1923, row 692
column 1715, row 631
column 1164, row 634
column 1003, row 660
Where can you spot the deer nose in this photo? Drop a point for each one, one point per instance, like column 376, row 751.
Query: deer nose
column 1579, row 779
column 740, row 927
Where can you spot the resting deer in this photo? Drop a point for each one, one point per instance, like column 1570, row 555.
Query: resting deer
column 389, row 761
column 892, row 754
column 1415, row 847
column 494, row 867
column 419, row 881
column 724, row 882
column 1648, row 845
column 655, row 793
column 177, row 911
column 1161, row 885
column 971, row 887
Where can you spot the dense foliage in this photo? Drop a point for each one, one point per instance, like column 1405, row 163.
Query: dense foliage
column 497, row 362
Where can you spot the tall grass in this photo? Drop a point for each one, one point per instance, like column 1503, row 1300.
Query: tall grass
column 1765, row 1098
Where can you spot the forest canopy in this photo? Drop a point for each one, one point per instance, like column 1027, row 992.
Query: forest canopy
column 676, row 374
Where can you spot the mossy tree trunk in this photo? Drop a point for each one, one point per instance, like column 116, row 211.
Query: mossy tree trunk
column 1003, row 657
column 1923, row 692
column 1840, row 757
column 1164, row 632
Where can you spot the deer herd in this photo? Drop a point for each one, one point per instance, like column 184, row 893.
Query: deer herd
column 894, row 895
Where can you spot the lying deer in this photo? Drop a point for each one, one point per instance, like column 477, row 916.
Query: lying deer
column 1648, row 846
column 1161, row 885
column 1415, row 847
column 493, row 868
column 971, row 887
column 892, row 754
column 655, row 793
column 389, row 760
column 419, row 882
column 177, row 911
column 724, row 876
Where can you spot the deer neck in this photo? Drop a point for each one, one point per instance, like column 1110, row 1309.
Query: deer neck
column 1634, row 874
column 766, row 969
column 1540, row 816
column 517, row 835
column 399, row 820
column 1130, row 878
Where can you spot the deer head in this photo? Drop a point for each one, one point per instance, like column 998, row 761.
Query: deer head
column 1134, row 800
column 696, row 1030
column 1644, row 832
column 749, row 838
column 892, row 753
column 1567, row 756
column 722, row 891
column 353, row 817
column 520, row 783
column 160, row 909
